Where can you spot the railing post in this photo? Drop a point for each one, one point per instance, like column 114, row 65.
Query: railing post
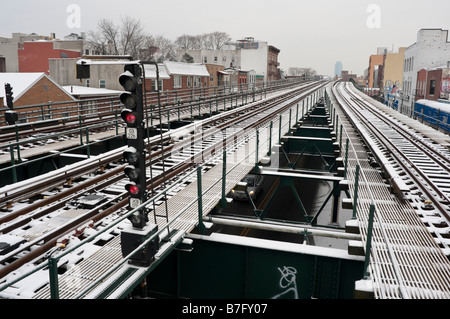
column 201, row 226
column 223, row 201
column 355, row 196
column 117, row 123
column 13, row 164
column 18, row 145
column 279, row 131
column 53, row 273
column 270, row 139
column 81, row 130
column 88, row 147
column 168, row 120
column 303, row 108
column 369, row 241
column 257, row 149
column 346, row 158
column 289, row 127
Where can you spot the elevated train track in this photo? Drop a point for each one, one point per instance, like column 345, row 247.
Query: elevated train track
column 169, row 161
column 409, row 256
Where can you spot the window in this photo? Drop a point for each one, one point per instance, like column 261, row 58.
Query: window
column 215, row 59
column 189, row 81
column 432, row 86
column 177, row 81
column 88, row 83
column 102, row 84
column 205, row 60
column 154, row 88
column 224, row 58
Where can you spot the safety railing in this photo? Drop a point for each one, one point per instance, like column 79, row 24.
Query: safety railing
column 366, row 217
column 262, row 148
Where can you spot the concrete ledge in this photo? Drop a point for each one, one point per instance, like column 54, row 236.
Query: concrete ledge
column 347, row 203
column 364, row 289
column 355, row 247
column 352, row 226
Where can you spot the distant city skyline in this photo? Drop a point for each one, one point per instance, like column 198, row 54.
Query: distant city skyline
column 338, row 68
column 309, row 34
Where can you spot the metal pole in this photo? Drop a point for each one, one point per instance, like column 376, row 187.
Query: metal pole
column 289, row 128
column 88, row 147
column 18, row 145
column 201, row 226
column 13, row 164
column 223, row 201
column 369, row 241
column 270, row 139
column 53, row 273
column 279, row 131
column 257, row 149
column 81, row 130
column 346, row 159
column 355, row 196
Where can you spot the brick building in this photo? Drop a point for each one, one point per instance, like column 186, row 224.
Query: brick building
column 433, row 84
column 375, row 61
column 31, row 89
column 247, row 54
column 177, row 76
column 34, row 56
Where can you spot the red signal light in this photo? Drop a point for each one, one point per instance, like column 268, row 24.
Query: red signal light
column 130, row 118
column 134, row 190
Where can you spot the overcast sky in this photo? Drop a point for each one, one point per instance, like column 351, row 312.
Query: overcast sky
column 312, row 34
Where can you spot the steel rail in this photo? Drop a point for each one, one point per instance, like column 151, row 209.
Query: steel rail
column 49, row 240
column 408, row 165
column 403, row 244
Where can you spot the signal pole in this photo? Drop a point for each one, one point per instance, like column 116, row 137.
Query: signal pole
column 135, row 155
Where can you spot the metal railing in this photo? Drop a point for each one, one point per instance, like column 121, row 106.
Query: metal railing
column 252, row 156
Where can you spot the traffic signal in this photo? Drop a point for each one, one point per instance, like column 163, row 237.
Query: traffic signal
column 11, row 117
column 9, row 95
column 134, row 154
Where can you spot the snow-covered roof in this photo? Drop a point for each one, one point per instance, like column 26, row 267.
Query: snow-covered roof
column 105, row 61
column 22, row 82
column 150, row 71
column 434, row 104
column 83, row 91
column 180, row 68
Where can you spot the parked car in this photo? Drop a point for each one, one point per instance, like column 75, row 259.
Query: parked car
column 254, row 183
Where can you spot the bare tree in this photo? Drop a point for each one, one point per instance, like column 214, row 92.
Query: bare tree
column 125, row 39
column 218, row 39
column 297, row 71
column 207, row 41
column 158, row 48
column 132, row 37
column 188, row 42
column 104, row 41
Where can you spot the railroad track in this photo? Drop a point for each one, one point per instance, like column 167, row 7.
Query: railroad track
column 407, row 258
column 108, row 112
column 181, row 151
column 421, row 167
